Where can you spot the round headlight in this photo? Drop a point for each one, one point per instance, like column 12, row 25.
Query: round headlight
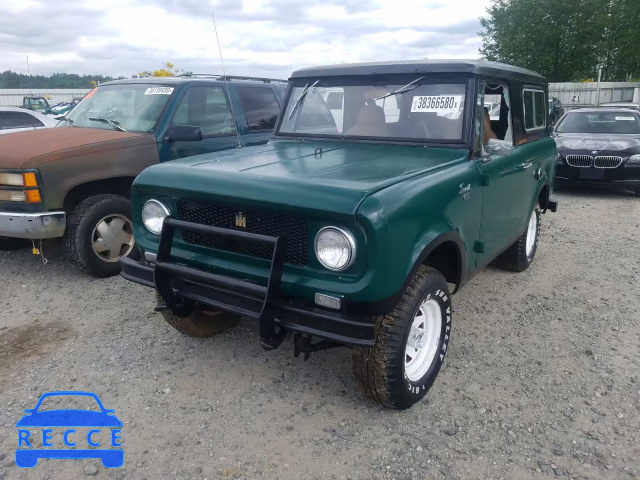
column 153, row 215
column 335, row 248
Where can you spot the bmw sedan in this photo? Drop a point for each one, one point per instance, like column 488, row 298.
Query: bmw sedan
column 599, row 146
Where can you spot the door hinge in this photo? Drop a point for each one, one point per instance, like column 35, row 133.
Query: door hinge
column 484, row 180
column 478, row 246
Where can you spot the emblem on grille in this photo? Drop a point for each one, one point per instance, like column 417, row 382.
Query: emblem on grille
column 595, row 152
column 241, row 220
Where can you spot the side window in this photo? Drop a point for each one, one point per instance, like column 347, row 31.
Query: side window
column 535, row 114
column 260, row 107
column 35, row 122
column 16, row 120
column 207, row 108
column 496, row 114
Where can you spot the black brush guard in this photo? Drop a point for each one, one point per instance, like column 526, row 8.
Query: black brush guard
column 181, row 286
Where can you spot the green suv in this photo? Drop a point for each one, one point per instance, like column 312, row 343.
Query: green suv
column 385, row 185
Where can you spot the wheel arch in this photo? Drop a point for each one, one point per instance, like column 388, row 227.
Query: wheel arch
column 544, row 194
column 113, row 185
column 447, row 254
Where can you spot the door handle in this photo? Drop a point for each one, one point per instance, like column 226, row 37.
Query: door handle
column 525, row 165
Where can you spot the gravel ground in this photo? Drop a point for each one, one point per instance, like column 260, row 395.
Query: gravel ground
column 541, row 380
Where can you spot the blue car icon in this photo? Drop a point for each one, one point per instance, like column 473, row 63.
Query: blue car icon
column 69, row 418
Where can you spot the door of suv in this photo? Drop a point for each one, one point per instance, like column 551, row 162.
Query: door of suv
column 508, row 175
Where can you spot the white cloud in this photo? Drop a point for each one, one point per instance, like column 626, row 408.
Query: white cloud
column 258, row 37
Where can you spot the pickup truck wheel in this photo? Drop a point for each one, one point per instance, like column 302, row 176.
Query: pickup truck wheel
column 99, row 233
column 520, row 255
column 410, row 346
column 202, row 322
column 10, row 243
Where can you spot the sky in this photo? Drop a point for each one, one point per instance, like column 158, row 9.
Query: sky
column 258, row 37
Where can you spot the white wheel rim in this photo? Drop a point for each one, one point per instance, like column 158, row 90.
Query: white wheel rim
column 423, row 340
column 531, row 234
column 112, row 238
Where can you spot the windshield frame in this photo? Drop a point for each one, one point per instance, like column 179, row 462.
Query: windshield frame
column 468, row 80
column 630, row 112
column 154, row 129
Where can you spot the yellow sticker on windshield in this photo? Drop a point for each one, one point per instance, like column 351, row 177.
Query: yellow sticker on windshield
column 436, row 103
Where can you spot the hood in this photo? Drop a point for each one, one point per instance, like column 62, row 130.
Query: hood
column 603, row 144
column 312, row 175
column 34, row 147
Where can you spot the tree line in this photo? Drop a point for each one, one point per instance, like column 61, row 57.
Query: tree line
column 9, row 79
column 565, row 40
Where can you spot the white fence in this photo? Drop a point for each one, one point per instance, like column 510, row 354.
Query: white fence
column 586, row 94
column 12, row 97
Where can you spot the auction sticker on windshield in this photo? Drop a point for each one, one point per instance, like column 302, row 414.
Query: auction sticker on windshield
column 628, row 119
column 159, row 91
column 436, row 103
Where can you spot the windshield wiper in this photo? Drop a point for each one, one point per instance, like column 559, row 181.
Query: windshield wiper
column 401, row 89
column 113, row 123
column 301, row 98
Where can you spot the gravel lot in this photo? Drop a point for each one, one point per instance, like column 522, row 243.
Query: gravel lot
column 541, row 380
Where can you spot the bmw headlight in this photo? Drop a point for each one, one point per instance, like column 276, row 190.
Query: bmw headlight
column 634, row 160
column 335, row 248
column 153, row 215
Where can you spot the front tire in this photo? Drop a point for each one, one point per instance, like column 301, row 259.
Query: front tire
column 99, row 233
column 520, row 255
column 202, row 322
column 410, row 346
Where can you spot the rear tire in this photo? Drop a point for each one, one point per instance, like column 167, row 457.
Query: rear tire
column 202, row 322
column 410, row 346
column 99, row 233
column 520, row 255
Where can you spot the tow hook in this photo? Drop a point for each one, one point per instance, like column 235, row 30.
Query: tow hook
column 302, row 344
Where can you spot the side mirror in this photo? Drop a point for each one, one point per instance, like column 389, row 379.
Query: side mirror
column 184, row 133
column 499, row 147
column 334, row 100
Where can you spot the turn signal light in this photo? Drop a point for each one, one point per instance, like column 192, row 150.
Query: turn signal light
column 29, row 179
column 33, row 196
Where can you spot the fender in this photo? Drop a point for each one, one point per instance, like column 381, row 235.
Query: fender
column 382, row 307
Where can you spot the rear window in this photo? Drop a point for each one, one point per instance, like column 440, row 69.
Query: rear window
column 600, row 122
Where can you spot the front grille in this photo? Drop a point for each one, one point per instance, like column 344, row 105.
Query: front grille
column 294, row 229
column 579, row 160
column 608, row 162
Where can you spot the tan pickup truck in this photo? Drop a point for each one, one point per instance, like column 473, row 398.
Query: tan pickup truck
column 74, row 181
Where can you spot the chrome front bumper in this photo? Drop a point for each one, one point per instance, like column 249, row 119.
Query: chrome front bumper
column 32, row 225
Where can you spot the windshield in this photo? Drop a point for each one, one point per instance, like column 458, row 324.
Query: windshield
column 132, row 107
column 600, row 122
column 408, row 109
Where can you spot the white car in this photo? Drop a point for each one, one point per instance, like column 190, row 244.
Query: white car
column 14, row 119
